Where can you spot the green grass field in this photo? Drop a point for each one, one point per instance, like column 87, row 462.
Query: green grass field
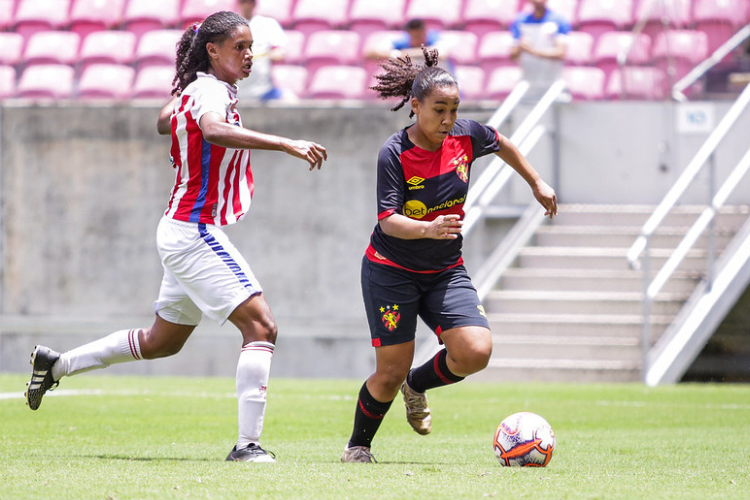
column 119, row 438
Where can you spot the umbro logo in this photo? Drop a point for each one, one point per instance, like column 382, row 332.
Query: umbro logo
column 415, row 182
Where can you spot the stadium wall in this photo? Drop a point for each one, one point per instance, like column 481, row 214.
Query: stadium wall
column 82, row 188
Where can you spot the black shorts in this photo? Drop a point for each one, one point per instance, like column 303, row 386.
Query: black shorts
column 395, row 297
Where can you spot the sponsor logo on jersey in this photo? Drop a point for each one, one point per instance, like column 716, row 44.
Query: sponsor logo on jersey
column 416, row 209
column 415, row 183
column 462, row 168
column 390, row 316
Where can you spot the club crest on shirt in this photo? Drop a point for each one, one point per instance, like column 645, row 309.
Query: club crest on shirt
column 390, row 316
column 462, row 168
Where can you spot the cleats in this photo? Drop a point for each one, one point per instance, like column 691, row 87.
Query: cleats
column 42, row 359
column 358, row 454
column 417, row 412
column 252, row 453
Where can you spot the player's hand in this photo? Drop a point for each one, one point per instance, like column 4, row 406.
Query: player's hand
column 546, row 196
column 311, row 152
column 446, row 227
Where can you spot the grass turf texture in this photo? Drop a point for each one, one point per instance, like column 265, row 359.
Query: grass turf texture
column 168, row 437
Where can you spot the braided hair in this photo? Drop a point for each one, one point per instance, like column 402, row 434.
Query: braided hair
column 192, row 55
column 406, row 80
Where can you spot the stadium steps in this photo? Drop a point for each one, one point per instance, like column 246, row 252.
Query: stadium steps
column 571, row 308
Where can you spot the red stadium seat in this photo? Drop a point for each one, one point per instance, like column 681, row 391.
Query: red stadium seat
column 157, row 48
column 313, row 15
column 638, row 83
column 7, row 11
column 494, row 51
column 87, row 16
column 461, row 46
column 600, row 16
column 486, row 16
column 290, row 78
column 331, row 47
column 52, row 47
column 142, row 16
column 501, row 81
column 281, row 10
column 437, row 14
column 566, row 8
column 7, row 82
column 636, row 48
column 153, row 82
column 718, row 19
column 654, row 13
column 338, row 82
column 106, row 81
column 676, row 52
column 46, row 81
column 470, row 81
column 114, row 47
column 12, row 48
column 194, row 11
column 368, row 16
column 377, row 42
column 294, row 50
column 584, row 83
column 579, row 47
column 40, row 15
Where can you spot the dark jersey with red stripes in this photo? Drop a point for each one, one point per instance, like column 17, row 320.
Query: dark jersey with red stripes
column 422, row 185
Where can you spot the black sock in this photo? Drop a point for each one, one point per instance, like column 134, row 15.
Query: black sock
column 434, row 373
column 367, row 418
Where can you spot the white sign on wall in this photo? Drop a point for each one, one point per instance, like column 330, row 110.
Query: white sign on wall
column 695, row 118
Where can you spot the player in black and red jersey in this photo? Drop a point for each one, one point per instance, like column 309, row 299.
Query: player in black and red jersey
column 413, row 266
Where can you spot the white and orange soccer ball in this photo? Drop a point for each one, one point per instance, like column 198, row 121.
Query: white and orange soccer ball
column 525, row 440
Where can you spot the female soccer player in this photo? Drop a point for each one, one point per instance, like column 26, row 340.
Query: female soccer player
column 413, row 266
column 203, row 272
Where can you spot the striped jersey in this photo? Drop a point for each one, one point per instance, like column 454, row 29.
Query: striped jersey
column 213, row 184
column 422, row 185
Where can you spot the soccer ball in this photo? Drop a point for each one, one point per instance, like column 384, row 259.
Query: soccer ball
column 524, row 439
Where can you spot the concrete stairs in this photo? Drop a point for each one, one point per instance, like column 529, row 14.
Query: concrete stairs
column 570, row 309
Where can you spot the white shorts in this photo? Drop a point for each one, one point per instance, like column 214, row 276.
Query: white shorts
column 204, row 273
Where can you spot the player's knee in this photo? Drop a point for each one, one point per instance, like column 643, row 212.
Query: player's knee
column 474, row 357
column 390, row 381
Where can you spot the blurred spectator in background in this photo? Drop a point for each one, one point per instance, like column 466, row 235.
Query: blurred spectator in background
column 415, row 35
column 539, row 38
column 269, row 41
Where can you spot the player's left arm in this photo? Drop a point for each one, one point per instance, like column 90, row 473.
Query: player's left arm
column 163, row 123
column 543, row 193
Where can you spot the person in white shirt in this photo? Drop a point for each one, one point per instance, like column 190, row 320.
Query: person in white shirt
column 269, row 42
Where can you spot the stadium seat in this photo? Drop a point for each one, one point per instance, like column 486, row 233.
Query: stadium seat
column 295, row 47
column 584, row 83
column 52, row 47
column 7, row 82
column 114, row 47
column 437, row 14
column 566, row 8
column 106, row 81
column 157, row 47
column 310, row 16
column 7, row 8
column 653, row 14
column 368, row 16
column 676, row 52
column 194, row 11
column 461, row 46
column 12, row 48
column 600, row 16
column 338, row 82
column 87, row 16
column 638, row 83
column 40, row 15
column 579, row 47
column 637, row 49
column 46, row 81
column 375, row 43
column 290, row 78
column 494, row 51
column 485, row 16
column 153, row 82
column 331, row 47
column 281, row 10
column 718, row 19
column 470, row 81
column 141, row 16
column 501, row 81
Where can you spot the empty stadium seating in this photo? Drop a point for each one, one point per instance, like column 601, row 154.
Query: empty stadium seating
column 367, row 16
column 486, row 16
column 470, row 81
column 12, row 48
column 494, row 51
column 7, row 81
column 437, row 14
column 109, row 81
column 52, row 47
column 116, row 47
column 87, row 16
column 584, row 83
column 633, row 49
column 40, row 15
column 500, row 82
column 653, row 14
column 290, row 78
column 676, row 52
column 153, row 82
column 329, row 48
column 46, row 81
column 338, row 82
column 579, row 48
column 314, row 15
column 197, row 10
column 7, row 8
column 460, row 46
column 635, row 83
column 157, row 47
column 281, row 10
column 718, row 19
column 600, row 16
column 141, row 16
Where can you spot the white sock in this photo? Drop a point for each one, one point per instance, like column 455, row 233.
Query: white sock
column 117, row 347
column 252, row 381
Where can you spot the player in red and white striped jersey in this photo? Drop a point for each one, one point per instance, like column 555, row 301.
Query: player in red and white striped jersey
column 203, row 272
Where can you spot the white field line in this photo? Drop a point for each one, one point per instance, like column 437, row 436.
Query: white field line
column 147, row 393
